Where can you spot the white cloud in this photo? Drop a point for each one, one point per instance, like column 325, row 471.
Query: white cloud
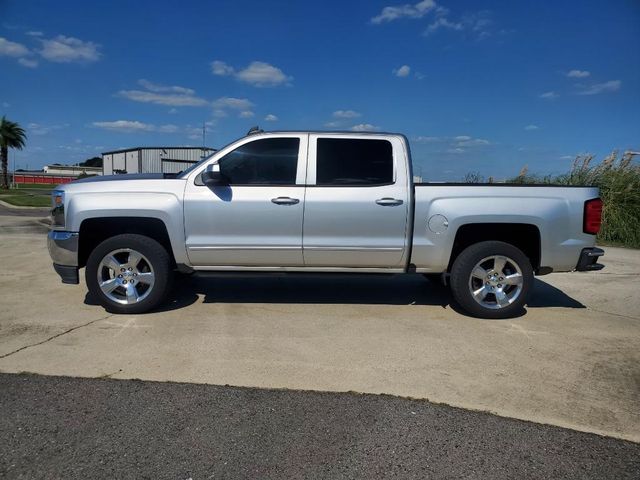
column 63, row 49
column 129, row 126
column 222, row 105
column 271, row 118
column 232, row 103
column 28, row 62
column 394, row 12
column 34, row 33
column 168, row 128
column 467, row 141
column 346, row 114
column 456, row 142
column 333, row 124
column 578, row 74
column 12, row 49
column 39, row 129
column 477, row 24
column 531, row 127
column 155, row 87
column 423, row 139
column 364, row 127
column 261, row 74
column 610, row 86
column 549, row 95
column 442, row 22
column 169, row 99
column 221, row 68
column 403, row 71
column 257, row 74
column 456, row 150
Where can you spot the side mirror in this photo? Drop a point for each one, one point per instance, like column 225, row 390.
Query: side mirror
column 213, row 178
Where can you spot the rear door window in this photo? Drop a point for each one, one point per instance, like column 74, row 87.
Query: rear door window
column 354, row 162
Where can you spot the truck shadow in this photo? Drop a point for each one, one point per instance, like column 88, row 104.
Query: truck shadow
column 335, row 289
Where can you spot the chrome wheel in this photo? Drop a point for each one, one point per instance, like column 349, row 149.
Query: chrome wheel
column 125, row 276
column 496, row 282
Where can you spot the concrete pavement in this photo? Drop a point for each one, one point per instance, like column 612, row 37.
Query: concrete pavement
column 572, row 360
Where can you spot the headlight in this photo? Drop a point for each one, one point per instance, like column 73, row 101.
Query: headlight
column 57, row 208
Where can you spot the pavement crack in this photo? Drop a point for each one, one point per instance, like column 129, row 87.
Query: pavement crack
column 612, row 313
column 54, row 336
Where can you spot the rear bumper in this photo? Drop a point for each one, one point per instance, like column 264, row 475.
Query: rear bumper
column 63, row 249
column 589, row 258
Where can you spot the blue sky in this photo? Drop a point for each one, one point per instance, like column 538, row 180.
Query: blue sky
column 476, row 86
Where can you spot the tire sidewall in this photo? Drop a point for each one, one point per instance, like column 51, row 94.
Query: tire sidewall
column 155, row 254
column 468, row 259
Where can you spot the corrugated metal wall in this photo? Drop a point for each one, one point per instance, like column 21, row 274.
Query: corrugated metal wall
column 153, row 160
column 107, row 164
column 163, row 159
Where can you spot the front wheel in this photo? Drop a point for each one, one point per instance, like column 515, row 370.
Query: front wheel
column 492, row 280
column 128, row 273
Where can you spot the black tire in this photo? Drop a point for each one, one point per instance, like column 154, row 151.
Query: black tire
column 155, row 264
column 464, row 280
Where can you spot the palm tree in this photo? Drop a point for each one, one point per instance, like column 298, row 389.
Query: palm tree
column 11, row 136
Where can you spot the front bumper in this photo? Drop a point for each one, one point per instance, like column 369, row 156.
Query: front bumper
column 63, row 249
column 589, row 258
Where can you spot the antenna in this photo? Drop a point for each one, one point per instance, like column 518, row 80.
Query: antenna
column 204, row 134
column 254, row 130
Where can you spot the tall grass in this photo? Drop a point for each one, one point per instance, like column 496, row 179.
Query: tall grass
column 618, row 178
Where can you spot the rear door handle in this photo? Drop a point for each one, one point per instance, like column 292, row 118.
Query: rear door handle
column 285, row 201
column 388, row 202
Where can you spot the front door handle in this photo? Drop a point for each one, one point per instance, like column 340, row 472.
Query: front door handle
column 388, row 202
column 285, row 201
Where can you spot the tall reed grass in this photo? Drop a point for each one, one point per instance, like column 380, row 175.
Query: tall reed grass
column 618, row 178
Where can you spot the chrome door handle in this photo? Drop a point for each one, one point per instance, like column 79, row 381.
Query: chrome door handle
column 389, row 202
column 285, row 201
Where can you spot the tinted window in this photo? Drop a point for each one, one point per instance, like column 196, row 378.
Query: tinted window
column 270, row 161
column 354, row 162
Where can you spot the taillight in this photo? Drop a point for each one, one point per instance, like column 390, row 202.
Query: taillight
column 592, row 216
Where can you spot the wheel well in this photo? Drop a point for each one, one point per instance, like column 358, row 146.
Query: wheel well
column 524, row 236
column 93, row 231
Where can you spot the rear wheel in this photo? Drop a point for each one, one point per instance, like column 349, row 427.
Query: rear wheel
column 492, row 280
column 128, row 273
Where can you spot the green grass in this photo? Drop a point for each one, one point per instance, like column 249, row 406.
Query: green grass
column 28, row 195
column 27, row 200
column 619, row 181
column 35, row 186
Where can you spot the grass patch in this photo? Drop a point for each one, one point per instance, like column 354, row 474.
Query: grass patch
column 36, row 186
column 27, row 200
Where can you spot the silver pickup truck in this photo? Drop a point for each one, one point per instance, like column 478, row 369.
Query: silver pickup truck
column 318, row 202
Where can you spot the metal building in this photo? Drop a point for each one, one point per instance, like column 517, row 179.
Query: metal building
column 152, row 159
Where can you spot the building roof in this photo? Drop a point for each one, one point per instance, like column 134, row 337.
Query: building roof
column 133, row 149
